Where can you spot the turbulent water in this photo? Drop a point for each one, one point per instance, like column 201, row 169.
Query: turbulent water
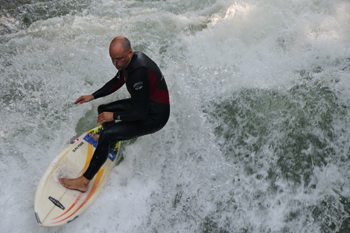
column 258, row 139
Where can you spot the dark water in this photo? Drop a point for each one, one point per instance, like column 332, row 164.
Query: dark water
column 21, row 14
column 287, row 137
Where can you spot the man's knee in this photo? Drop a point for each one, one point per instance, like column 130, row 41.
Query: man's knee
column 104, row 136
column 118, row 132
column 109, row 134
column 101, row 108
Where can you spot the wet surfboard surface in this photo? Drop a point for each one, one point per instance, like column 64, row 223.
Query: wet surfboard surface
column 55, row 205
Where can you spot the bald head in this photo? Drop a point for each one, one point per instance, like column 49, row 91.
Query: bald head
column 122, row 42
column 120, row 52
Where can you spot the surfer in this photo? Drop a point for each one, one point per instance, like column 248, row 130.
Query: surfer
column 145, row 112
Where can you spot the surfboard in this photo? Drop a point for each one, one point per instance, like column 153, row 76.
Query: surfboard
column 55, row 205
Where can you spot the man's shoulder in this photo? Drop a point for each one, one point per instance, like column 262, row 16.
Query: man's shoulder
column 142, row 63
column 140, row 60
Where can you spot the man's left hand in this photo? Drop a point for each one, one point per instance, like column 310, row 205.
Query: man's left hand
column 105, row 117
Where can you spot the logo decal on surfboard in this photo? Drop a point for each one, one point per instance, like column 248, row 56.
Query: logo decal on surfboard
column 77, row 147
column 56, row 203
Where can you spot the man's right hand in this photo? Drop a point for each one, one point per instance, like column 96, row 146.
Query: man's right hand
column 84, row 98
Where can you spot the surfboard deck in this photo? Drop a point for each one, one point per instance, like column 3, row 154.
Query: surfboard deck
column 55, row 205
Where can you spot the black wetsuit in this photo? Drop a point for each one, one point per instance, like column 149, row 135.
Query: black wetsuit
column 147, row 111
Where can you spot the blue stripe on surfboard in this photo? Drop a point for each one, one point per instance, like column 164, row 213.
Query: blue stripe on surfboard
column 90, row 140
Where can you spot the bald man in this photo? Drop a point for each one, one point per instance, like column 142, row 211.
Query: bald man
column 145, row 112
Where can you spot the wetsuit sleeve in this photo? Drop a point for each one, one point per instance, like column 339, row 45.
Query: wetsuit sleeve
column 111, row 86
column 139, row 91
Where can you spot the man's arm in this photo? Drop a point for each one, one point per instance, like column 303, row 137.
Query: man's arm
column 111, row 86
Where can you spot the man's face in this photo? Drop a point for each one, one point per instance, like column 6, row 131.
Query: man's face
column 120, row 58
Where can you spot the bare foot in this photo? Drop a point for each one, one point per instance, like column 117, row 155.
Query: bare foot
column 81, row 183
column 95, row 136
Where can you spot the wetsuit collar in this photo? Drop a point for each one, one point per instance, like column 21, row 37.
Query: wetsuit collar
column 131, row 61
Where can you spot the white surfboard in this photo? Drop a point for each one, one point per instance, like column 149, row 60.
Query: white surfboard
column 55, row 205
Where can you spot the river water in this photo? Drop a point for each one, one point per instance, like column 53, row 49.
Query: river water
column 258, row 136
